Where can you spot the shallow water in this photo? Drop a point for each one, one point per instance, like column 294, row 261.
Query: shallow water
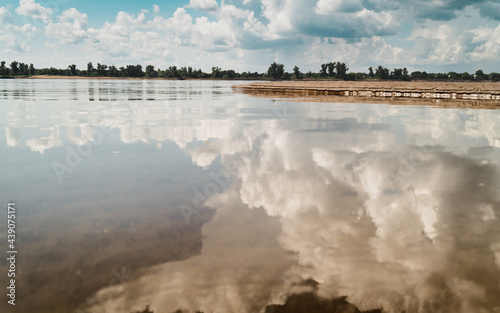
column 184, row 194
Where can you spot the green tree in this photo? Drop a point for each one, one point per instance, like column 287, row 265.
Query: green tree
column 370, row 72
column 229, row 74
column 341, row 70
column 150, row 71
column 416, row 75
column 14, row 68
column 3, row 70
column 31, row 69
column 466, row 76
column 23, row 69
column 53, row 71
column 134, row 71
column 351, row 76
column 276, row 71
column 494, row 76
column 382, row 72
column 72, row 69
column 216, row 72
column 453, row 75
column 480, row 75
column 195, row 73
column 331, row 69
column 90, row 67
column 113, row 71
column 102, row 69
column 296, row 72
column 360, row 75
column 324, row 68
column 172, row 72
column 397, row 73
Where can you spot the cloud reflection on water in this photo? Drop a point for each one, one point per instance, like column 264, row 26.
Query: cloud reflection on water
column 395, row 207
column 394, row 226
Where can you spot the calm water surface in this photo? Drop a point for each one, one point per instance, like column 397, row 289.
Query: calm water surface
column 186, row 195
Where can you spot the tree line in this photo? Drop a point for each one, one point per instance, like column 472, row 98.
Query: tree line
column 332, row 70
column 103, row 70
column 339, row 71
column 16, row 69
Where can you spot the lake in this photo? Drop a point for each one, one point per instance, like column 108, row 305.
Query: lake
column 186, row 195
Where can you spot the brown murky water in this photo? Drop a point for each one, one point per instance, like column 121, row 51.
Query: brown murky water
column 186, row 195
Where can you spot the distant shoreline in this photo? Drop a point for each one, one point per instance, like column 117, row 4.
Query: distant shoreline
column 116, row 78
column 308, row 83
column 92, row 78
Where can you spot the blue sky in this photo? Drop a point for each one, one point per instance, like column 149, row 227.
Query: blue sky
column 101, row 11
column 431, row 35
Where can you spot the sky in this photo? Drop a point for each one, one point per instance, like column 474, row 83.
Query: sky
column 248, row 35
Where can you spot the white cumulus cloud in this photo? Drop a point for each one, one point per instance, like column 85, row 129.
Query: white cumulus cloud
column 72, row 27
column 4, row 15
column 204, row 5
column 330, row 6
column 34, row 10
column 248, row 35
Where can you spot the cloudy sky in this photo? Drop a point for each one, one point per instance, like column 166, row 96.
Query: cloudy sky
column 432, row 35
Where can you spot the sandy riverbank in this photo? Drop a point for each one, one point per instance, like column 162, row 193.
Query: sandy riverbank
column 412, row 86
column 443, row 94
